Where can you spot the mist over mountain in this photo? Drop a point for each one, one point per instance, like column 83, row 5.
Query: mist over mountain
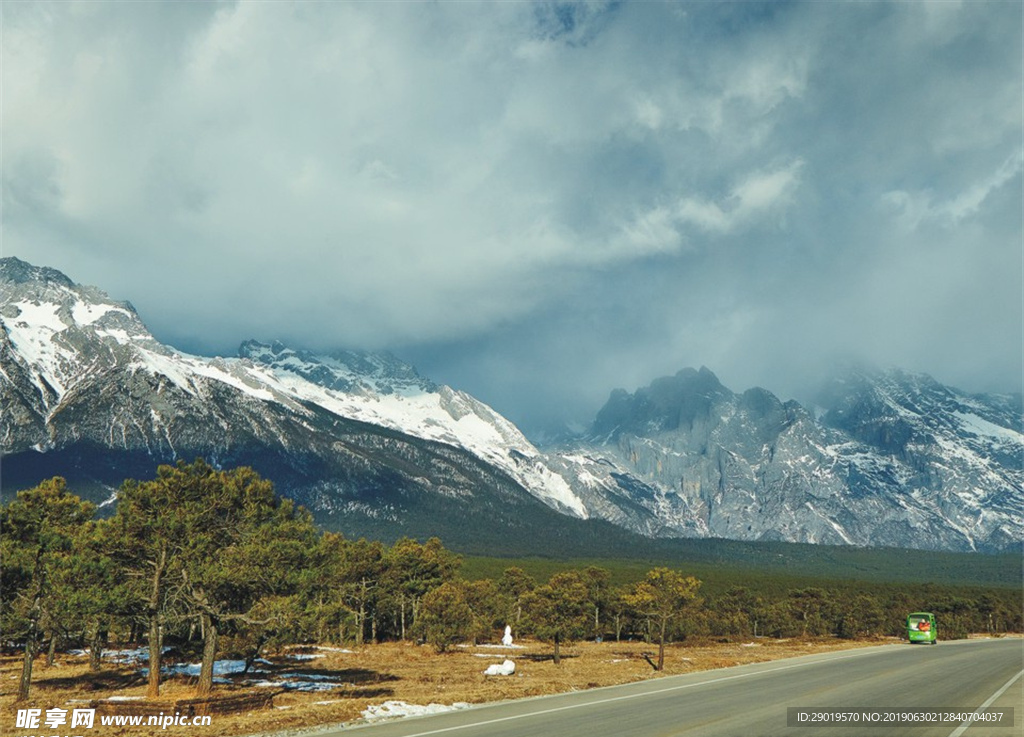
column 374, row 448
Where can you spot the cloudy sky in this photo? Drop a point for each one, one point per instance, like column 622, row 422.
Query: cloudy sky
column 535, row 202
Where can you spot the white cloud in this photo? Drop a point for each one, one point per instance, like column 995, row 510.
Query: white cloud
column 757, row 195
column 913, row 208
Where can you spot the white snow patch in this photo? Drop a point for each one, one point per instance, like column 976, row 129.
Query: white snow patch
column 501, row 669
column 979, row 426
column 118, row 334
column 211, row 371
column 170, row 366
column 32, row 333
column 394, row 709
column 87, row 314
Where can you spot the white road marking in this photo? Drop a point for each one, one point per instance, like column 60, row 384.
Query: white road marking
column 968, row 722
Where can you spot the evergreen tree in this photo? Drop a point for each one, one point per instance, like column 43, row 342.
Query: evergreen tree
column 558, row 612
column 445, row 617
column 219, row 539
column 412, row 570
column 248, row 550
column 513, row 585
column 39, row 528
column 663, row 596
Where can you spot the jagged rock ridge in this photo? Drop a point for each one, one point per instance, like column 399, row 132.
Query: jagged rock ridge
column 895, row 459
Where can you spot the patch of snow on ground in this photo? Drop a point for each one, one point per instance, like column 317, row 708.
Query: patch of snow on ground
column 220, row 668
column 506, row 668
column 395, row 709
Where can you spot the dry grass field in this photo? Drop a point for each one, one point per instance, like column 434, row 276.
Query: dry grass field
column 352, row 681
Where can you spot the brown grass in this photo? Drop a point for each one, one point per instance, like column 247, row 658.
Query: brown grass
column 392, row 671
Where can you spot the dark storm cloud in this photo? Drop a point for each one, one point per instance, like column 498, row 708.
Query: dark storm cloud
column 537, row 202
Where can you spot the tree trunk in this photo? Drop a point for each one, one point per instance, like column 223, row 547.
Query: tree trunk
column 661, row 646
column 51, row 650
column 251, row 657
column 401, row 603
column 361, row 628
column 33, row 630
column 97, row 639
column 205, row 685
column 153, row 686
column 26, row 666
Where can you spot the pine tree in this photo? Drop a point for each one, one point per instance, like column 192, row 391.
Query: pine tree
column 445, row 616
column 663, row 596
column 39, row 527
column 558, row 612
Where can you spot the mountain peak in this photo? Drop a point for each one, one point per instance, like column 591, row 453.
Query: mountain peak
column 15, row 271
column 667, row 403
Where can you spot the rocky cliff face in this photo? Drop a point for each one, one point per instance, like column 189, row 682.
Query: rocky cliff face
column 888, row 458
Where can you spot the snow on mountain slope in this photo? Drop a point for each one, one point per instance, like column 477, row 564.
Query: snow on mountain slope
column 381, row 390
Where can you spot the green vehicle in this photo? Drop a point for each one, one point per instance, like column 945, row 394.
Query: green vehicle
column 921, row 628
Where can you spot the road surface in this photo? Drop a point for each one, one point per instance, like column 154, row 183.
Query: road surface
column 752, row 700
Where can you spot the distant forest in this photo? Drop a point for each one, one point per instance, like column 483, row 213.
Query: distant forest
column 214, row 563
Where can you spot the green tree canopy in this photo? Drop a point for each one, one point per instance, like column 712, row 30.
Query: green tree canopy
column 445, row 617
column 559, row 610
column 40, row 526
column 663, row 596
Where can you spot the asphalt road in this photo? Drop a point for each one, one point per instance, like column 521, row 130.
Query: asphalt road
column 752, row 700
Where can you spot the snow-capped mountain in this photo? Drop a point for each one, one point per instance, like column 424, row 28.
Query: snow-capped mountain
column 887, row 458
column 373, row 448
column 89, row 393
